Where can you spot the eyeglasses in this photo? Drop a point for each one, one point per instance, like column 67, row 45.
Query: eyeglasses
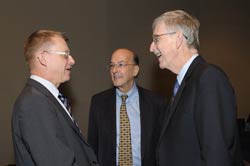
column 118, row 65
column 156, row 38
column 66, row 54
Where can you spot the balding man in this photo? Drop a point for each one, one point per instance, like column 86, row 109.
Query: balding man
column 143, row 109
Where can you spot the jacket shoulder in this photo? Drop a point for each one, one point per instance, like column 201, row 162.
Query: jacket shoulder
column 153, row 96
column 104, row 94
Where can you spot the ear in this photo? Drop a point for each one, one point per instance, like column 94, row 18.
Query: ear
column 42, row 59
column 136, row 70
column 179, row 39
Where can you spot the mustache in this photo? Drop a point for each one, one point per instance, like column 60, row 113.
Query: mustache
column 117, row 75
column 157, row 53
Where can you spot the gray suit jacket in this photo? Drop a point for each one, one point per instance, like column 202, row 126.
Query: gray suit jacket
column 43, row 133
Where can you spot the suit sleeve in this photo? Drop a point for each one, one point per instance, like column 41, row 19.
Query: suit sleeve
column 42, row 133
column 215, row 119
column 93, row 126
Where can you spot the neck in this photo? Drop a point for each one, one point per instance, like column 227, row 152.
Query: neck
column 183, row 57
column 126, row 88
column 44, row 76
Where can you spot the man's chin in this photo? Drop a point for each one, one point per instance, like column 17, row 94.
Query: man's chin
column 161, row 66
column 117, row 83
column 66, row 79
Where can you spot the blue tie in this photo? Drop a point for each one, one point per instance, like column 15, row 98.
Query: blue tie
column 65, row 102
column 176, row 87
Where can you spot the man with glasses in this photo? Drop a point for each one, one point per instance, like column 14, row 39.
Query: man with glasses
column 144, row 109
column 44, row 131
column 200, row 126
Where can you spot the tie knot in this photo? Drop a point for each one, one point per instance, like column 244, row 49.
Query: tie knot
column 61, row 97
column 124, row 97
column 64, row 100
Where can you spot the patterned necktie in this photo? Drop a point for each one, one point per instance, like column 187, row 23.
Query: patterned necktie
column 65, row 102
column 125, row 147
column 176, row 87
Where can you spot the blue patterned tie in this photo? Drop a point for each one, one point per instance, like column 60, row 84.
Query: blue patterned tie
column 65, row 102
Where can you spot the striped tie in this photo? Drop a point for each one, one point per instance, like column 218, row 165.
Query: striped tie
column 125, row 147
column 66, row 103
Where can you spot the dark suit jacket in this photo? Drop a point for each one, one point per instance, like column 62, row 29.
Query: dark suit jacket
column 200, row 127
column 44, row 134
column 102, row 125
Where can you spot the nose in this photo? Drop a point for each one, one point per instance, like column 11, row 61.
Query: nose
column 71, row 60
column 114, row 69
column 152, row 47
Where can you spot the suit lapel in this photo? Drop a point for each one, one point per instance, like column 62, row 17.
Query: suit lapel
column 110, row 114
column 143, row 118
column 47, row 93
column 174, row 102
column 173, row 105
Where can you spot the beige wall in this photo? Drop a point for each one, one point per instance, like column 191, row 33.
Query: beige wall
column 97, row 27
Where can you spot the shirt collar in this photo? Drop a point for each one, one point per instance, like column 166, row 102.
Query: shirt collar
column 50, row 86
column 184, row 69
column 132, row 92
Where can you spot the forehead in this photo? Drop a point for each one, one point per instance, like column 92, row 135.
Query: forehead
column 59, row 43
column 160, row 28
column 122, row 55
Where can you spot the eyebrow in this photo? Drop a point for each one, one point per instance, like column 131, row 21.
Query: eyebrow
column 118, row 61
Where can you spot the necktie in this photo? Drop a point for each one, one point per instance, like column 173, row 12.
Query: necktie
column 176, row 87
column 125, row 147
column 65, row 102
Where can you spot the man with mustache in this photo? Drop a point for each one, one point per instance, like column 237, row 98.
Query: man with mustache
column 144, row 109
column 200, row 126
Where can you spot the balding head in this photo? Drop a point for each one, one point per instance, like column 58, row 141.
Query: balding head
column 124, row 68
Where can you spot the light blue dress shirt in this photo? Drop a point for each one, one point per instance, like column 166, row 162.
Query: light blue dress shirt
column 184, row 69
column 133, row 110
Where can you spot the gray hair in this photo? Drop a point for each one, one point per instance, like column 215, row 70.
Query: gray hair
column 182, row 21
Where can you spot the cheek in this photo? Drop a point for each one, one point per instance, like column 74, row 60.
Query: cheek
column 129, row 74
column 162, row 47
column 62, row 69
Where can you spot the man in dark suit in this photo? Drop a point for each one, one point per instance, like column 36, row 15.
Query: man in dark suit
column 145, row 111
column 44, row 132
column 200, row 127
